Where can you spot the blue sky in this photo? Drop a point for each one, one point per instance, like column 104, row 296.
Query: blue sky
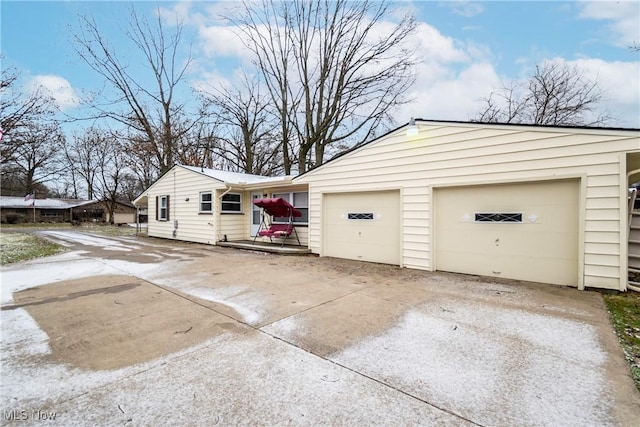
column 467, row 48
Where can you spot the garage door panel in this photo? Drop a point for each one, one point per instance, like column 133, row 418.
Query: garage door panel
column 543, row 247
column 376, row 239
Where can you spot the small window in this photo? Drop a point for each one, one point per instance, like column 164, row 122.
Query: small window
column 499, row 217
column 162, row 208
column 232, row 203
column 360, row 215
column 206, row 202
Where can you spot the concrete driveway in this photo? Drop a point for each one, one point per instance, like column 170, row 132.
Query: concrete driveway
column 126, row 331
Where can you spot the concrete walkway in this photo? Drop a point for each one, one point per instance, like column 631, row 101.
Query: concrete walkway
column 148, row 332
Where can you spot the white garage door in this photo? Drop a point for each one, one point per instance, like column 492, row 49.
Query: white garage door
column 362, row 226
column 523, row 231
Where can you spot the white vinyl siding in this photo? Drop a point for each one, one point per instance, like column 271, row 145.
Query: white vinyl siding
column 452, row 154
column 184, row 188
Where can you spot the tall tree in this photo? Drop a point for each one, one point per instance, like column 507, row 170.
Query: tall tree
column 558, row 94
column 35, row 160
column 335, row 70
column 246, row 138
column 82, row 158
column 148, row 106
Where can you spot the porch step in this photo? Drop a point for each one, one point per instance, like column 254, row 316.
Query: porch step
column 266, row 247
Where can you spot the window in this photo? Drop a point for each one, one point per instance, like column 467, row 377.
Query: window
column 206, row 202
column 499, row 217
column 162, row 208
column 299, row 201
column 232, row 203
column 360, row 215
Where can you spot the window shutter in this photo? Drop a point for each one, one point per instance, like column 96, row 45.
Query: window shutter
column 168, row 210
column 157, row 208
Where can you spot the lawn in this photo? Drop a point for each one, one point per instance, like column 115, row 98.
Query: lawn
column 16, row 247
column 625, row 316
column 17, row 243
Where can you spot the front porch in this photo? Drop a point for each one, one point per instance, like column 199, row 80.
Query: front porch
column 275, row 248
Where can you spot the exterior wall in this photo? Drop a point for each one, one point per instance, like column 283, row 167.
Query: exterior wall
column 26, row 215
column 182, row 184
column 459, row 154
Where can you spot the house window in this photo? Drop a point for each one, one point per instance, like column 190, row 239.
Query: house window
column 206, row 202
column 499, row 217
column 300, row 201
column 232, row 203
column 162, row 208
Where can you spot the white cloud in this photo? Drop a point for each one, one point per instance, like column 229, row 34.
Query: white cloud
column 465, row 8
column 620, row 85
column 58, row 88
column 622, row 16
column 449, row 94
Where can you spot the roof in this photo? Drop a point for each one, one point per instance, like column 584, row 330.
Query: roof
column 233, row 177
column 21, row 203
column 580, row 129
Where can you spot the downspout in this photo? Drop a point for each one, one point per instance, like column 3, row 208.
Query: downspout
column 218, row 213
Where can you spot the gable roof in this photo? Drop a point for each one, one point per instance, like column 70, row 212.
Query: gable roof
column 548, row 128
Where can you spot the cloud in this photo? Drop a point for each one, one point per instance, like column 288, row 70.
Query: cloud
column 58, row 88
column 467, row 9
column 449, row 94
column 622, row 18
column 620, row 85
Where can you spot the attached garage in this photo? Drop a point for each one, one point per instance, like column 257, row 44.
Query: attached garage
column 537, row 203
column 363, row 226
column 526, row 231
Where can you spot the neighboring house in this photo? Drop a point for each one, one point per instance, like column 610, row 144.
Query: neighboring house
column 97, row 211
column 542, row 204
column 18, row 210
column 207, row 206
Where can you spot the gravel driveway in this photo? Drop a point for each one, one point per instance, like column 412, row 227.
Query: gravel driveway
column 140, row 331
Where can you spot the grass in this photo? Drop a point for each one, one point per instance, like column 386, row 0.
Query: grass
column 15, row 247
column 18, row 244
column 624, row 310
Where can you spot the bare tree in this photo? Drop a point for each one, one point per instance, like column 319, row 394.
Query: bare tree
column 332, row 71
column 558, row 94
column 35, row 160
column 82, row 157
column 112, row 171
column 147, row 106
column 246, row 138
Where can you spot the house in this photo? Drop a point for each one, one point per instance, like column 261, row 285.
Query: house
column 15, row 210
column 18, row 210
column 533, row 203
column 209, row 206
column 97, row 211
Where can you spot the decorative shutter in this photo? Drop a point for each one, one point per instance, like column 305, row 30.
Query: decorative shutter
column 157, row 208
column 168, row 210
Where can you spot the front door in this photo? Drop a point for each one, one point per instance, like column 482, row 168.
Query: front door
column 255, row 213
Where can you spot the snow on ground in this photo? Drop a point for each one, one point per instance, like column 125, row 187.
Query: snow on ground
column 243, row 299
column 528, row 370
column 73, row 237
column 227, row 380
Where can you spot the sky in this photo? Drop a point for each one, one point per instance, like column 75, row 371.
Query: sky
column 466, row 49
